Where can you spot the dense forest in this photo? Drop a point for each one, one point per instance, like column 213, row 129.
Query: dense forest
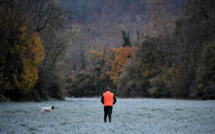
column 139, row 48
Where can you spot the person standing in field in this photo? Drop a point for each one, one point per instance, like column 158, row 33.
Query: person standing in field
column 108, row 99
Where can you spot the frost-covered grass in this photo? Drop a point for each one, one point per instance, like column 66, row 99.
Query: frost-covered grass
column 136, row 116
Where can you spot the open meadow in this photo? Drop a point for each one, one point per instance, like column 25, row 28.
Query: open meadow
column 85, row 115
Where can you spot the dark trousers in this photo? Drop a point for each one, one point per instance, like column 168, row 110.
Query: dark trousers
column 107, row 112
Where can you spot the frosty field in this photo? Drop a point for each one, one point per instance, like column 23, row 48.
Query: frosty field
column 130, row 116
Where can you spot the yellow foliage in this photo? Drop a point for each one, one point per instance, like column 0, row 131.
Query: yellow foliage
column 23, row 29
column 29, row 77
column 96, row 54
column 37, row 48
column 31, row 54
column 25, row 48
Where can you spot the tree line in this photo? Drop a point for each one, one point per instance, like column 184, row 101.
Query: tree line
column 47, row 52
column 175, row 59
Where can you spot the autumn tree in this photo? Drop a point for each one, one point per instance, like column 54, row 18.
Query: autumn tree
column 144, row 74
column 121, row 57
column 48, row 19
column 21, row 52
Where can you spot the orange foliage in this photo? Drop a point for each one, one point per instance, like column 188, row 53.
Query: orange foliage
column 121, row 57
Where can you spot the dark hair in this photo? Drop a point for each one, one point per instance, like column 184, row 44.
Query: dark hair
column 108, row 88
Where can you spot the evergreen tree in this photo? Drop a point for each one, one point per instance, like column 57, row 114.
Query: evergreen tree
column 125, row 37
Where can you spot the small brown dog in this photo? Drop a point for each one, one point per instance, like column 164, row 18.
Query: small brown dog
column 47, row 109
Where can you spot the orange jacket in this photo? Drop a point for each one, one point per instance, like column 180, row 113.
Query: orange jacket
column 108, row 98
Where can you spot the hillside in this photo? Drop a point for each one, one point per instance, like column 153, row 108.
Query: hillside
column 89, row 11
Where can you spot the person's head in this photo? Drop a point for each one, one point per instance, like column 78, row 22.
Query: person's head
column 108, row 89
